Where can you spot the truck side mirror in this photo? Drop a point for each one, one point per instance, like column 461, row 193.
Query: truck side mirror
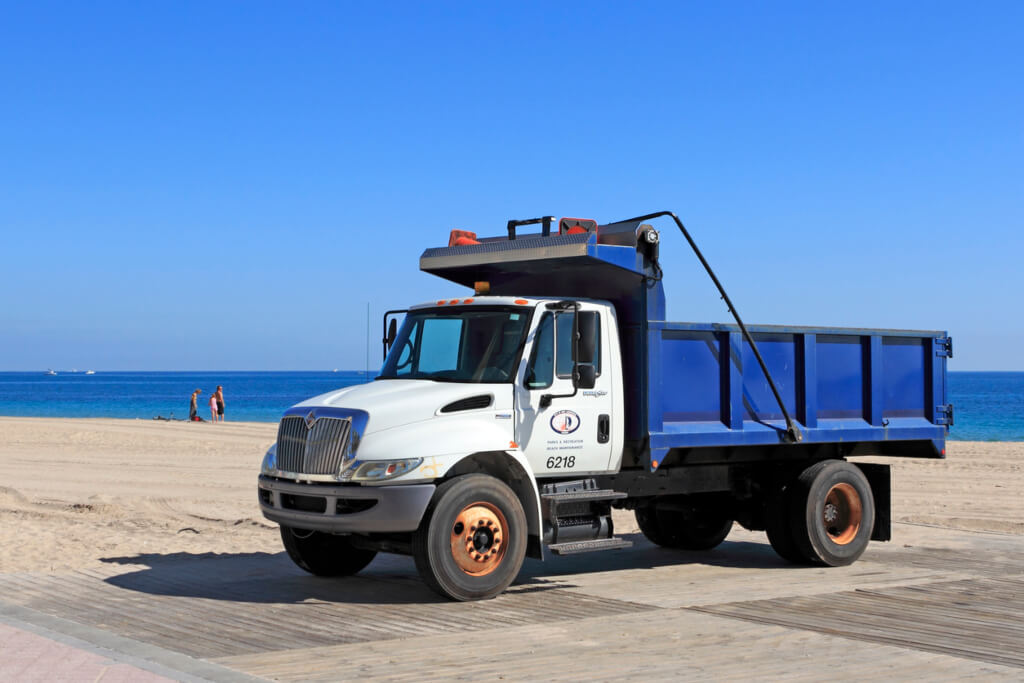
column 584, row 377
column 392, row 332
column 586, row 345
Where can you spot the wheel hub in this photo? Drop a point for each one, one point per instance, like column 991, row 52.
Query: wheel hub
column 831, row 513
column 478, row 538
column 842, row 513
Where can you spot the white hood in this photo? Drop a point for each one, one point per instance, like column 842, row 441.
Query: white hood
column 396, row 402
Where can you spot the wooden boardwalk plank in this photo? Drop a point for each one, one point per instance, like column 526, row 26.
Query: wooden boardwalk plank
column 174, row 614
column 959, row 618
column 667, row 644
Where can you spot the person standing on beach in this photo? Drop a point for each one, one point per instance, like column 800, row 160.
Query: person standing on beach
column 219, row 394
column 193, row 409
column 213, row 407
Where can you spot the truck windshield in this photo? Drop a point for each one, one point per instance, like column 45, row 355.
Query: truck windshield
column 459, row 344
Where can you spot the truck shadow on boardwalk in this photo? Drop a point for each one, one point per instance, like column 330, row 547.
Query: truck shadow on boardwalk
column 645, row 555
column 390, row 579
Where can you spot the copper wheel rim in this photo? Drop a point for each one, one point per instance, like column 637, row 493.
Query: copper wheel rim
column 842, row 513
column 478, row 538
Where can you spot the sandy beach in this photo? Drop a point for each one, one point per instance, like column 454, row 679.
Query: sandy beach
column 77, row 490
column 90, row 503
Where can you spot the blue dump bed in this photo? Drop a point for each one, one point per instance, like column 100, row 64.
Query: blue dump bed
column 842, row 385
column 698, row 385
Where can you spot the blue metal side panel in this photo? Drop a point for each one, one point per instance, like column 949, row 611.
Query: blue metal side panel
column 697, row 434
column 811, row 406
column 733, row 362
column 937, row 366
column 779, row 353
column 655, row 380
column 842, row 385
column 907, row 386
column 623, row 257
column 692, row 377
column 840, row 371
column 876, row 401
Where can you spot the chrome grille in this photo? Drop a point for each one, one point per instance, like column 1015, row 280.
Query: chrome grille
column 320, row 449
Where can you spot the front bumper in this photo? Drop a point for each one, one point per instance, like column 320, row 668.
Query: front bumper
column 344, row 509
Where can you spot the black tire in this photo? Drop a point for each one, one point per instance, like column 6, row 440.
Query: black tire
column 682, row 528
column 779, row 526
column 833, row 513
column 324, row 554
column 472, row 540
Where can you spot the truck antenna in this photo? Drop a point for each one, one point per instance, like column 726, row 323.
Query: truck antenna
column 793, row 433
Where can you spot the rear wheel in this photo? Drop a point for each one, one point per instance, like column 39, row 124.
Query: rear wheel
column 779, row 517
column 832, row 513
column 683, row 527
column 472, row 539
column 324, row 554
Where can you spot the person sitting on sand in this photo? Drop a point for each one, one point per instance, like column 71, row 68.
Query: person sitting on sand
column 193, row 410
column 219, row 394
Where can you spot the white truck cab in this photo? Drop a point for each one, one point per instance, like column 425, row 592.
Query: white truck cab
column 483, row 384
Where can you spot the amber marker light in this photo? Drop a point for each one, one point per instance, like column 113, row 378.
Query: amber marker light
column 467, row 301
column 521, row 302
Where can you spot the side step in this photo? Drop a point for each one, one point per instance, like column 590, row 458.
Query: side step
column 582, row 496
column 576, row 547
column 578, row 517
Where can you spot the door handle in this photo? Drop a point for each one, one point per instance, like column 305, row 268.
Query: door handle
column 603, row 428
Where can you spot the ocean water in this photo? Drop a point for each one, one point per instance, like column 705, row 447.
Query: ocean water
column 989, row 406
column 248, row 396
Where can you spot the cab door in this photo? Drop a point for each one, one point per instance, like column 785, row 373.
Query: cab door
column 572, row 435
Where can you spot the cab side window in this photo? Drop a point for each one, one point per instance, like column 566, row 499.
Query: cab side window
column 540, row 371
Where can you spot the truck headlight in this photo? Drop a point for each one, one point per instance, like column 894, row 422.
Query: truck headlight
column 380, row 470
column 269, row 465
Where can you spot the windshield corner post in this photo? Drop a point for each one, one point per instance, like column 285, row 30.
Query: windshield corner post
column 388, row 338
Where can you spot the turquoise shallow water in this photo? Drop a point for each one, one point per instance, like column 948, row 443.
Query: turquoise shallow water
column 989, row 406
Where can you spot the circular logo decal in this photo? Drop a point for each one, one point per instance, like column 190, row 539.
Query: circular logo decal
column 565, row 422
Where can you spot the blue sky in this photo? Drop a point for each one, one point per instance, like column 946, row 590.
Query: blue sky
column 228, row 185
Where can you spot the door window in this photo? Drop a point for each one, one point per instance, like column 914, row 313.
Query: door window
column 564, row 331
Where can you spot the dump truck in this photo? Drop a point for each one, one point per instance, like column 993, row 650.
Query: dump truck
column 508, row 422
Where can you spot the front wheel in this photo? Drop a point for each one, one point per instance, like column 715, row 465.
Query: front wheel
column 472, row 539
column 324, row 554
